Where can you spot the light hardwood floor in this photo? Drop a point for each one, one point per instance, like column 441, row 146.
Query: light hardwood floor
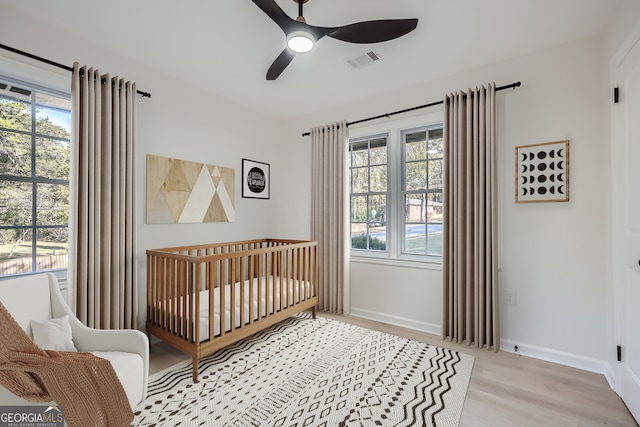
column 505, row 389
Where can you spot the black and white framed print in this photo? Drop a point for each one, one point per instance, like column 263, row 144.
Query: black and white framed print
column 255, row 179
column 542, row 172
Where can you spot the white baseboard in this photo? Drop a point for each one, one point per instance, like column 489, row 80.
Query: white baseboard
column 524, row 349
column 556, row 356
column 610, row 375
column 429, row 328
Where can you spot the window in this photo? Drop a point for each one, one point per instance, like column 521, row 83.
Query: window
column 422, row 191
column 396, row 192
column 35, row 128
column 368, row 178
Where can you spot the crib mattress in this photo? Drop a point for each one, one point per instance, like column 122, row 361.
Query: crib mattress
column 291, row 296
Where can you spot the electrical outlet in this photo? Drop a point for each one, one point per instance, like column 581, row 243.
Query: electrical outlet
column 512, row 298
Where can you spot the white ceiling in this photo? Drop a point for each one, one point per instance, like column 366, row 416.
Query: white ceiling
column 226, row 46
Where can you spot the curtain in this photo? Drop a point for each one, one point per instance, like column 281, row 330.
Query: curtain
column 330, row 214
column 470, row 291
column 102, row 268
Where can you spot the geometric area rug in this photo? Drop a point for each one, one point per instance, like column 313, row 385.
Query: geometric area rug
column 306, row 372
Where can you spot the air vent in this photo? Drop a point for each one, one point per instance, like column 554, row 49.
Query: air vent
column 20, row 91
column 3, row 86
column 364, row 59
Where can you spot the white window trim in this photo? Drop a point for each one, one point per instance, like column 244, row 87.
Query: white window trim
column 48, row 77
column 393, row 128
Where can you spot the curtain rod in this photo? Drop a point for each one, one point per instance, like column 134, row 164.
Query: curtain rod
column 55, row 64
column 511, row 86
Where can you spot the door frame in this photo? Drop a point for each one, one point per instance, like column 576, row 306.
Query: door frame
column 618, row 303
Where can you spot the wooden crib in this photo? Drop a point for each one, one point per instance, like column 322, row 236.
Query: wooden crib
column 194, row 293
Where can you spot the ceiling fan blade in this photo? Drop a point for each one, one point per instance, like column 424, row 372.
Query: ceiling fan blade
column 280, row 64
column 273, row 11
column 360, row 32
column 372, row 31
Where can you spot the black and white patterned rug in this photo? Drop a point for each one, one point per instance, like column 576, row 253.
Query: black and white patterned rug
column 306, row 372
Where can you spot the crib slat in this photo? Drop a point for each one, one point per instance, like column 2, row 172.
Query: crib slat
column 170, row 282
column 298, row 280
column 274, row 285
column 261, row 295
column 251, row 279
column 211, row 284
column 195, row 315
column 283, row 293
column 223, row 299
column 150, row 281
column 307, row 274
column 188, row 299
column 160, row 272
column 161, row 296
column 182, row 290
column 232, row 290
column 241, row 283
column 293, row 277
column 210, row 287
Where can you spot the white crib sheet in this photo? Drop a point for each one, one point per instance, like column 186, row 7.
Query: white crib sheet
column 293, row 288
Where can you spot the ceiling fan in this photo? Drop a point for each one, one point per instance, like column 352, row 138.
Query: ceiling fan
column 301, row 36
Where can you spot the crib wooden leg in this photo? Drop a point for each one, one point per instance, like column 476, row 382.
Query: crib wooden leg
column 313, row 311
column 195, row 369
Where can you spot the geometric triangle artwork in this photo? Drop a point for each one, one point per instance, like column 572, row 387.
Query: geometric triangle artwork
column 179, row 191
column 215, row 212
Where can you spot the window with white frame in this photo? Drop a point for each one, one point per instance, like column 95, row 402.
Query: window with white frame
column 396, row 192
column 422, row 191
column 35, row 125
column 369, row 183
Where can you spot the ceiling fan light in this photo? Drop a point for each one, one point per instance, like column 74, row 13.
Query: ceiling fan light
column 300, row 41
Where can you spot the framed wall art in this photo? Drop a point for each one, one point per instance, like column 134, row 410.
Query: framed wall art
column 542, row 172
column 256, row 179
column 180, row 191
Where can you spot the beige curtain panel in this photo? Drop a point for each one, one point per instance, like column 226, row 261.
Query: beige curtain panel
column 470, row 291
column 102, row 268
column 330, row 214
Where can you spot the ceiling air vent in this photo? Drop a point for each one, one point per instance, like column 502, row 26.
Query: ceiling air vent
column 20, row 91
column 3, row 86
column 364, row 59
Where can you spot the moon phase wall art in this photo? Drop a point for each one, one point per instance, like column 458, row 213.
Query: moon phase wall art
column 542, row 172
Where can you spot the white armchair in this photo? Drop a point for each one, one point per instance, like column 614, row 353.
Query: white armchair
column 38, row 297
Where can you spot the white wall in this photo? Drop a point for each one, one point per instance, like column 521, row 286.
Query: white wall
column 552, row 255
column 178, row 121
